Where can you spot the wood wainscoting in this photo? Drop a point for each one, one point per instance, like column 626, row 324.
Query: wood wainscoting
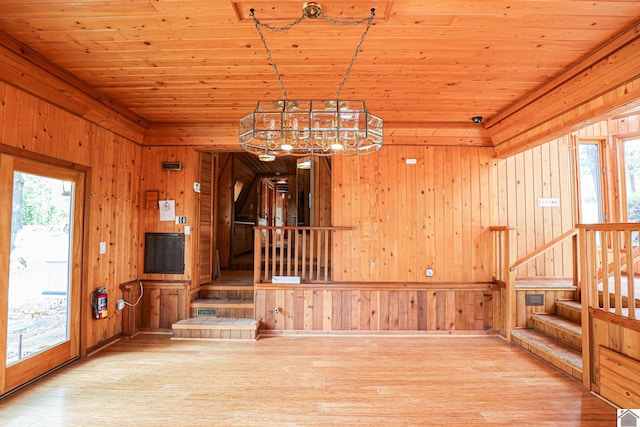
column 162, row 304
column 379, row 307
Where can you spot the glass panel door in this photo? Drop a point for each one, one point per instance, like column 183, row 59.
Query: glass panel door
column 38, row 308
column 40, row 260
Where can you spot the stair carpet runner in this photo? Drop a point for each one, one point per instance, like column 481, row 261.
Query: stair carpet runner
column 556, row 338
column 221, row 312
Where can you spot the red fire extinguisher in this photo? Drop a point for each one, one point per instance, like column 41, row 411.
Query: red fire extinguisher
column 99, row 302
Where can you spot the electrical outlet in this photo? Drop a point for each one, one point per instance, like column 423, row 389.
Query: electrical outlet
column 120, row 304
column 429, row 272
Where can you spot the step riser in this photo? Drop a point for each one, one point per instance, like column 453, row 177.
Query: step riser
column 219, row 334
column 549, row 357
column 569, row 314
column 560, row 334
column 226, row 294
column 228, row 312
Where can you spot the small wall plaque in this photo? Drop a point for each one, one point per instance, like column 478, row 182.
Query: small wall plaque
column 533, row 299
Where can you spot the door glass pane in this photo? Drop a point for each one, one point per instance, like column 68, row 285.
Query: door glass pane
column 38, row 314
column 632, row 178
column 590, row 184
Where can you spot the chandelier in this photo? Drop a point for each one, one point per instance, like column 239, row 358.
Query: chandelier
column 310, row 127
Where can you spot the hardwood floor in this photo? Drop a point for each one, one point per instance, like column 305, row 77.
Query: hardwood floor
column 298, row 380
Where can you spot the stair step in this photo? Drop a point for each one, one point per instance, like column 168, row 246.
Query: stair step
column 564, row 330
column 569, row 309
column 216, row 328
column 562, row 356
column 222, row 303
column 226, row 287
column 545, row 284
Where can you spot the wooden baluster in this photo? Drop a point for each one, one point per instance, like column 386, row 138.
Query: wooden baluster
column 303, row 258
column 281, row 244
column 318, row 253
column 615, row 235
column 327, row 243
column 267, row 241
column 274, row 252
column 288, row 240
column 296, row 252
column 604, row 249
column 592, row 273
column 311, row 236
column 631, row 274
column 257, row 254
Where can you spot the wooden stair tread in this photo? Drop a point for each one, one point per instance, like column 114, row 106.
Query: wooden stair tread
column 226, row 287
column 533, row 283
column 222, row 302
column 560, row 323
column 564, row 352
column 570, row 304
column 217, row 323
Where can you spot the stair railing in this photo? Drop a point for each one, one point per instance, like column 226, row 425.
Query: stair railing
column 303, row 253
column 504, row 271
column 609, row 252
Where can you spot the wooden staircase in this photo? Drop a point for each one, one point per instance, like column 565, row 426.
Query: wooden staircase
column 556, row 337
column 222, row 311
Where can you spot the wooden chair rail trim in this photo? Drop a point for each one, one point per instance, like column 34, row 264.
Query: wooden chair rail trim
column 378, row 286
column 330, row 228
column 618, row 226
column 544, row 248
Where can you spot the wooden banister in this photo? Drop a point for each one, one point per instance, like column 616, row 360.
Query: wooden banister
column 544, row 248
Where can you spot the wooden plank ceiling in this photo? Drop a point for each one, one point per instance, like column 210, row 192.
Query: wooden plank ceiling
column 201, row 62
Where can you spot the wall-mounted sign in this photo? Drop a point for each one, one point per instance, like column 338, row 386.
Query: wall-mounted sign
column 549, row 202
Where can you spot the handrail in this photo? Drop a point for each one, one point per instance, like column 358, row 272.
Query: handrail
column 544, row 248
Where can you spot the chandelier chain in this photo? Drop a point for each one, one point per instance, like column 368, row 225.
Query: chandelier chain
column 330, row 20
column 355, row 53
column 259, row 24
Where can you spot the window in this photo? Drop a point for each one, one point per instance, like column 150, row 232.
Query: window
column 591, row 210
column 631, row 194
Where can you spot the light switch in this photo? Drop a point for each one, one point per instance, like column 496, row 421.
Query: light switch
column 103, row 247
column 187, row 230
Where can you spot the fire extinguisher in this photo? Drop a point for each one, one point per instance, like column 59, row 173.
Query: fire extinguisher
column 99, row 303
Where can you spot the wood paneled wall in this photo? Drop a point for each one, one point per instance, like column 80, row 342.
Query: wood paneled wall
column 472, row 309
column 171, row 185
column 42, row 129
column 435, row 213
column 540, row 172
column 224, row 214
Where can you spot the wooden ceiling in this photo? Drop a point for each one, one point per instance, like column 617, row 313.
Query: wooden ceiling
column 201, row 62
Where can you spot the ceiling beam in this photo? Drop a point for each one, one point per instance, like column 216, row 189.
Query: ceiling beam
column 606, row 81
column 24, row 68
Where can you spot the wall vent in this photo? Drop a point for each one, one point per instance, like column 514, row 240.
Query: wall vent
column 171, row 166
column 533, row 299
column 206, row 312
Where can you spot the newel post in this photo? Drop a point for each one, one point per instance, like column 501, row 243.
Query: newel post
column 510, row 287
